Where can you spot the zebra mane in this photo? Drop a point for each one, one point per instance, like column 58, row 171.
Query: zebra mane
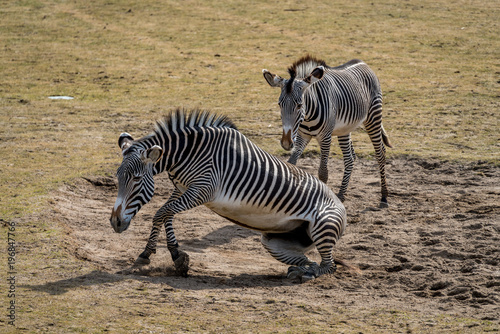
column 181, row 119
column 304, row 66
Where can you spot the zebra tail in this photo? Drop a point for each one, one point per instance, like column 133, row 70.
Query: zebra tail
column 352, row 268
column 385, row 138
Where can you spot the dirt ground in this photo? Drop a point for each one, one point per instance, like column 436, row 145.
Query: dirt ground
column 435, row 250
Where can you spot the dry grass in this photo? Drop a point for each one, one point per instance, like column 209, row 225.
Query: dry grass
column 125, row 62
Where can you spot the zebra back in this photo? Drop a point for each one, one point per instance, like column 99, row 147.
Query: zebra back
column 208, row 145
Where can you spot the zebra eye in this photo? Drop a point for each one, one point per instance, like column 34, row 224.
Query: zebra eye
column 137, row 177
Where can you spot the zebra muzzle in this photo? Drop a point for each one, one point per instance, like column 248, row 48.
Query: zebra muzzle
column 286, row 140
column 118, row 224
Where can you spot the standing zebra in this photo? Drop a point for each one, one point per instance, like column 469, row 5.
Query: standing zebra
column 210, row 162
column 321, row 101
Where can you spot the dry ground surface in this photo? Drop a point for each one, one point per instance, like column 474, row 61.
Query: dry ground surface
column 430, row 262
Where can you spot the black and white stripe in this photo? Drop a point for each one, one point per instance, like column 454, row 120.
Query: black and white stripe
column 319, row 101
column 211, row 163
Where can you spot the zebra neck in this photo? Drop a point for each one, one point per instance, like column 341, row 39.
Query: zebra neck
column 317, row 102
column 310, row 107
column 148, row 142
column 177, row 146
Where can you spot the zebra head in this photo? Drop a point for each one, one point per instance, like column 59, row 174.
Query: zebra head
column 291, row 101
column 135, row 181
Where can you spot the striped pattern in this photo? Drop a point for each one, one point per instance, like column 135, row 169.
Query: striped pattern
column 319, row 101
column 211, row 163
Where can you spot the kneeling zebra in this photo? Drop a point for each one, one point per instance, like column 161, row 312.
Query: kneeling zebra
column 211, row 163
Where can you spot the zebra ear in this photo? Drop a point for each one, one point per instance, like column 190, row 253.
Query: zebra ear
column 315, row 75
column 272, row 79
column 125, row 141
column 152, row 154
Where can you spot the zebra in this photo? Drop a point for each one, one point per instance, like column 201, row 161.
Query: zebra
column 211, row 163
column 321, row 101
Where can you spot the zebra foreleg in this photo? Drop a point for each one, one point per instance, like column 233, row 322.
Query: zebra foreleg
column 324, row 145
column 194, row 196
column 300, row 145
column 155, row 232
column 345, row 144
column 180, row 258
column 143, row 258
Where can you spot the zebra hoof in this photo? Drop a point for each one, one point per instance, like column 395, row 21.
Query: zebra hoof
column 294, row 273
column 141, row 261
column 307, row 277
column 383, row 204
column 182, row 264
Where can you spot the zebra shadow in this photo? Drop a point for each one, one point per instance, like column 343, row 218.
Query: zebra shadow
column 164, row 273
column 218, row 237
column 195, row 281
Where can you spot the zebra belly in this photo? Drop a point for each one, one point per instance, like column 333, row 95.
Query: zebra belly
column 341, row 128
column 256, row 218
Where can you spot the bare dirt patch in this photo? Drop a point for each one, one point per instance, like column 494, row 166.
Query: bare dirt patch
column 435, row 250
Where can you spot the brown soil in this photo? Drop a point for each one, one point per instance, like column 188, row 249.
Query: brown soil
column 435, row 250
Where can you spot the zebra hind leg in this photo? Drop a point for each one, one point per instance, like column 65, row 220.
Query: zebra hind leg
column 325, row 232
column 289, row 248
column 345, row 144
column 378, row 136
